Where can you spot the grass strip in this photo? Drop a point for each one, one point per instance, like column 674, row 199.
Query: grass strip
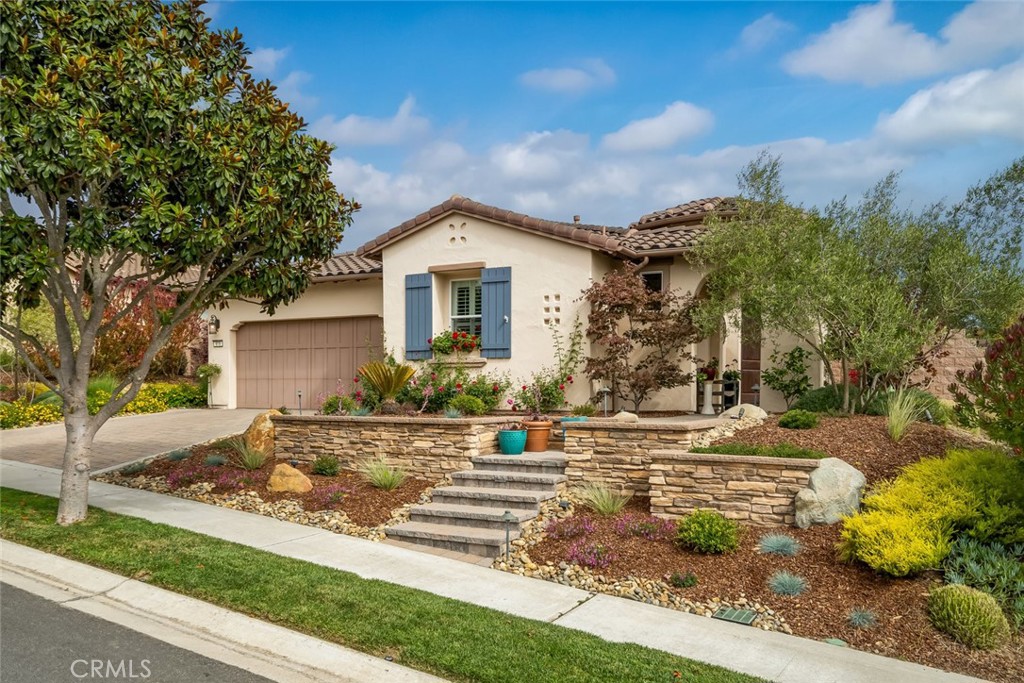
column 446, row 637
column 781, row 450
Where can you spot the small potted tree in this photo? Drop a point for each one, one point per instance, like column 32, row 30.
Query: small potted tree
column 512, row 439
column 546, row 391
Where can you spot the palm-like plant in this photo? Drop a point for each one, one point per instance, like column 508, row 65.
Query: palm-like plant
column 387, row 380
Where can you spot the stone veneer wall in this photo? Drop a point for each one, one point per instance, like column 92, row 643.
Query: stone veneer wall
column 753, row 489
column 428, row 448
column 618, row 454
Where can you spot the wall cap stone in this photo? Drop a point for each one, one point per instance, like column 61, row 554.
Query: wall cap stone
column 378, row 420
column 607, row 424
column 669, row 456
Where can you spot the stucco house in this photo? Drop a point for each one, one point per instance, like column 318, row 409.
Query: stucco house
column 463, row 265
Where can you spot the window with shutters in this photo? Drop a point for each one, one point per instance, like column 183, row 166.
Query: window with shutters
column 467, row 306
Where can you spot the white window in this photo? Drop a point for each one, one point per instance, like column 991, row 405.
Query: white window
column 466, row 306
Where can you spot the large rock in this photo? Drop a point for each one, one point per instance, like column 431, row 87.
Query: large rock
column 833, row 492
column 626, row 416
column 260, row 434
column 287, row 479
column 749, row 410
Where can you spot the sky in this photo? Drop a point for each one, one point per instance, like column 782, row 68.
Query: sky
column 613, row 110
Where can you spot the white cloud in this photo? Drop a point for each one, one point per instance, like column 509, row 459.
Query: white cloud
column 289, row 89
column 871, row 47
column 679, row 121
column 540, row 157
column 264, row 60
column 760, row 33
column 592, row 73
column 405, row 125
column 962, row 109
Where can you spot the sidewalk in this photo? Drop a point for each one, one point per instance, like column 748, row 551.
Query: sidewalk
column 774, row 656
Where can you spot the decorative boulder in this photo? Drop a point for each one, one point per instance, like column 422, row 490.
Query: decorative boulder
column 260, row 434
column 287, row 479
column 749, row 410
column 833, row 492
column 625, row 416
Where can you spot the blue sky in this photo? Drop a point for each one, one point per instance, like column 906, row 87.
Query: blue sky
column 613, row 110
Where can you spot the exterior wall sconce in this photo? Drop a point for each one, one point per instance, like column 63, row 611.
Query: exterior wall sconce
column 213, row 326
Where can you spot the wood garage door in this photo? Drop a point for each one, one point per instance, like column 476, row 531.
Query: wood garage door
column 277, row 359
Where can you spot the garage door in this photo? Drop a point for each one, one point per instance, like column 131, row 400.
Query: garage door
column 277, row 359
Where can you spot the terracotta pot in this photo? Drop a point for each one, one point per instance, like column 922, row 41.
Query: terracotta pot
column 537, row 435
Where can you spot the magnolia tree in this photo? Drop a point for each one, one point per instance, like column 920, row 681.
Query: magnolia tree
column 870, row 286
column 641, row 335
column 132, row 133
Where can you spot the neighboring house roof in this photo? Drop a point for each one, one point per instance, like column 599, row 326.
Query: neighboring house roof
column 689, row 213
column 601, row 237
column 346, row 266
column 672, row 238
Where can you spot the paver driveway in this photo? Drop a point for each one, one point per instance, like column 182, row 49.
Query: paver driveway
column 127, row 438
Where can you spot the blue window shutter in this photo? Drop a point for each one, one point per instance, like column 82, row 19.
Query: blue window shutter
column 418, row 306
column 496, row 328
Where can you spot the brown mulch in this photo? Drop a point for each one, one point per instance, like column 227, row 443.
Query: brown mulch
column 860, row 440
column 835, row 588
column 364, row 504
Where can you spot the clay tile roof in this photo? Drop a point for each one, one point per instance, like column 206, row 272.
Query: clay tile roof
column 689, row 213
column 601, row 237
column 657, row 239
column 348, row 264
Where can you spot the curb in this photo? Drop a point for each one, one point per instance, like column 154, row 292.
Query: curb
column 246, row 643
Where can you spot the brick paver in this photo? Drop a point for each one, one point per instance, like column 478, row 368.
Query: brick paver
column 123, row 439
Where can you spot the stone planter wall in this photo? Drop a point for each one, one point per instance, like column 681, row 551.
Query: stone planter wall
column 618, row 454
column 427, row 448
column 753, row 489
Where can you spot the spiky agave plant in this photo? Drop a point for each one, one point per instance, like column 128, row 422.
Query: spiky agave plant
column 387, row 380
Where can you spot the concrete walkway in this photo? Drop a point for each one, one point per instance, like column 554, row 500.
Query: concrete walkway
column 774, row 656
column 127, row 438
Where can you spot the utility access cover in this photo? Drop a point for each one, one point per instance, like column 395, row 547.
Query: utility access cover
column 736, row 616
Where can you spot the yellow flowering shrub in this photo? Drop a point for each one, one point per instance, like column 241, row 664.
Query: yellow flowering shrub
column 148, row 400
column 21, row 413
column 907, row 525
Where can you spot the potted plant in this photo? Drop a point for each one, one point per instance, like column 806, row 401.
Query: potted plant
column 538, row 432
column 705, row 376
column 543, row 393
column 512, row 438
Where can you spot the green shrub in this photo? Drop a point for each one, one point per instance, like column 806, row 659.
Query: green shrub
column 602, row 499
column 786, row 583
column 331, row 405
column 862, row 618
column 902, row 409
column 179, row 454
column 215, row 460
column 134, row 468
column 782, row 450
column 969, row 616
column 453, row 413
column 992, row 568
column 790, row 377
column 180, row 394
column 381, row 475
column 468, row 405
column 21, row 413
column 707, row 531
column 829, row 399
column 247, row 457
column 907, row 525
column 326, row 465
column 361, row 411
column 584, row 410
column 681, row 580
column 778, row 544
column 799, row 419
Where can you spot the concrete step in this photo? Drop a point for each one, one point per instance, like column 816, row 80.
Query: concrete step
column 549, row 462
column 461, row 539
column 526, row 481
column 506, row 499
column 467, row 515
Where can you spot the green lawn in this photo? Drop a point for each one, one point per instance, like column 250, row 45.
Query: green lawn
column 452, row 639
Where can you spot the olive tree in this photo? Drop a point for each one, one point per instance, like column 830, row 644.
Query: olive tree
column 137, row 155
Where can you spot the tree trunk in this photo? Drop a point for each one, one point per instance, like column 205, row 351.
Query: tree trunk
column 846, row 388
column 74, row 481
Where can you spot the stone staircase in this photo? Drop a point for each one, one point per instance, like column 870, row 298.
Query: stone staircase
column 466, row 517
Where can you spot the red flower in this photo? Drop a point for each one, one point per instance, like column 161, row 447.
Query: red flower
column 854, row 376
column 569, row 378
column 524, row 387
column 561, row 387
column 458, row 387
column 430, row 340
column 441, row 388
column 495, row 388
column 356, row 380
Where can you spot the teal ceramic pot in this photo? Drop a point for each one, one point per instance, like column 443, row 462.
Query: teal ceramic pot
column 512, row 442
